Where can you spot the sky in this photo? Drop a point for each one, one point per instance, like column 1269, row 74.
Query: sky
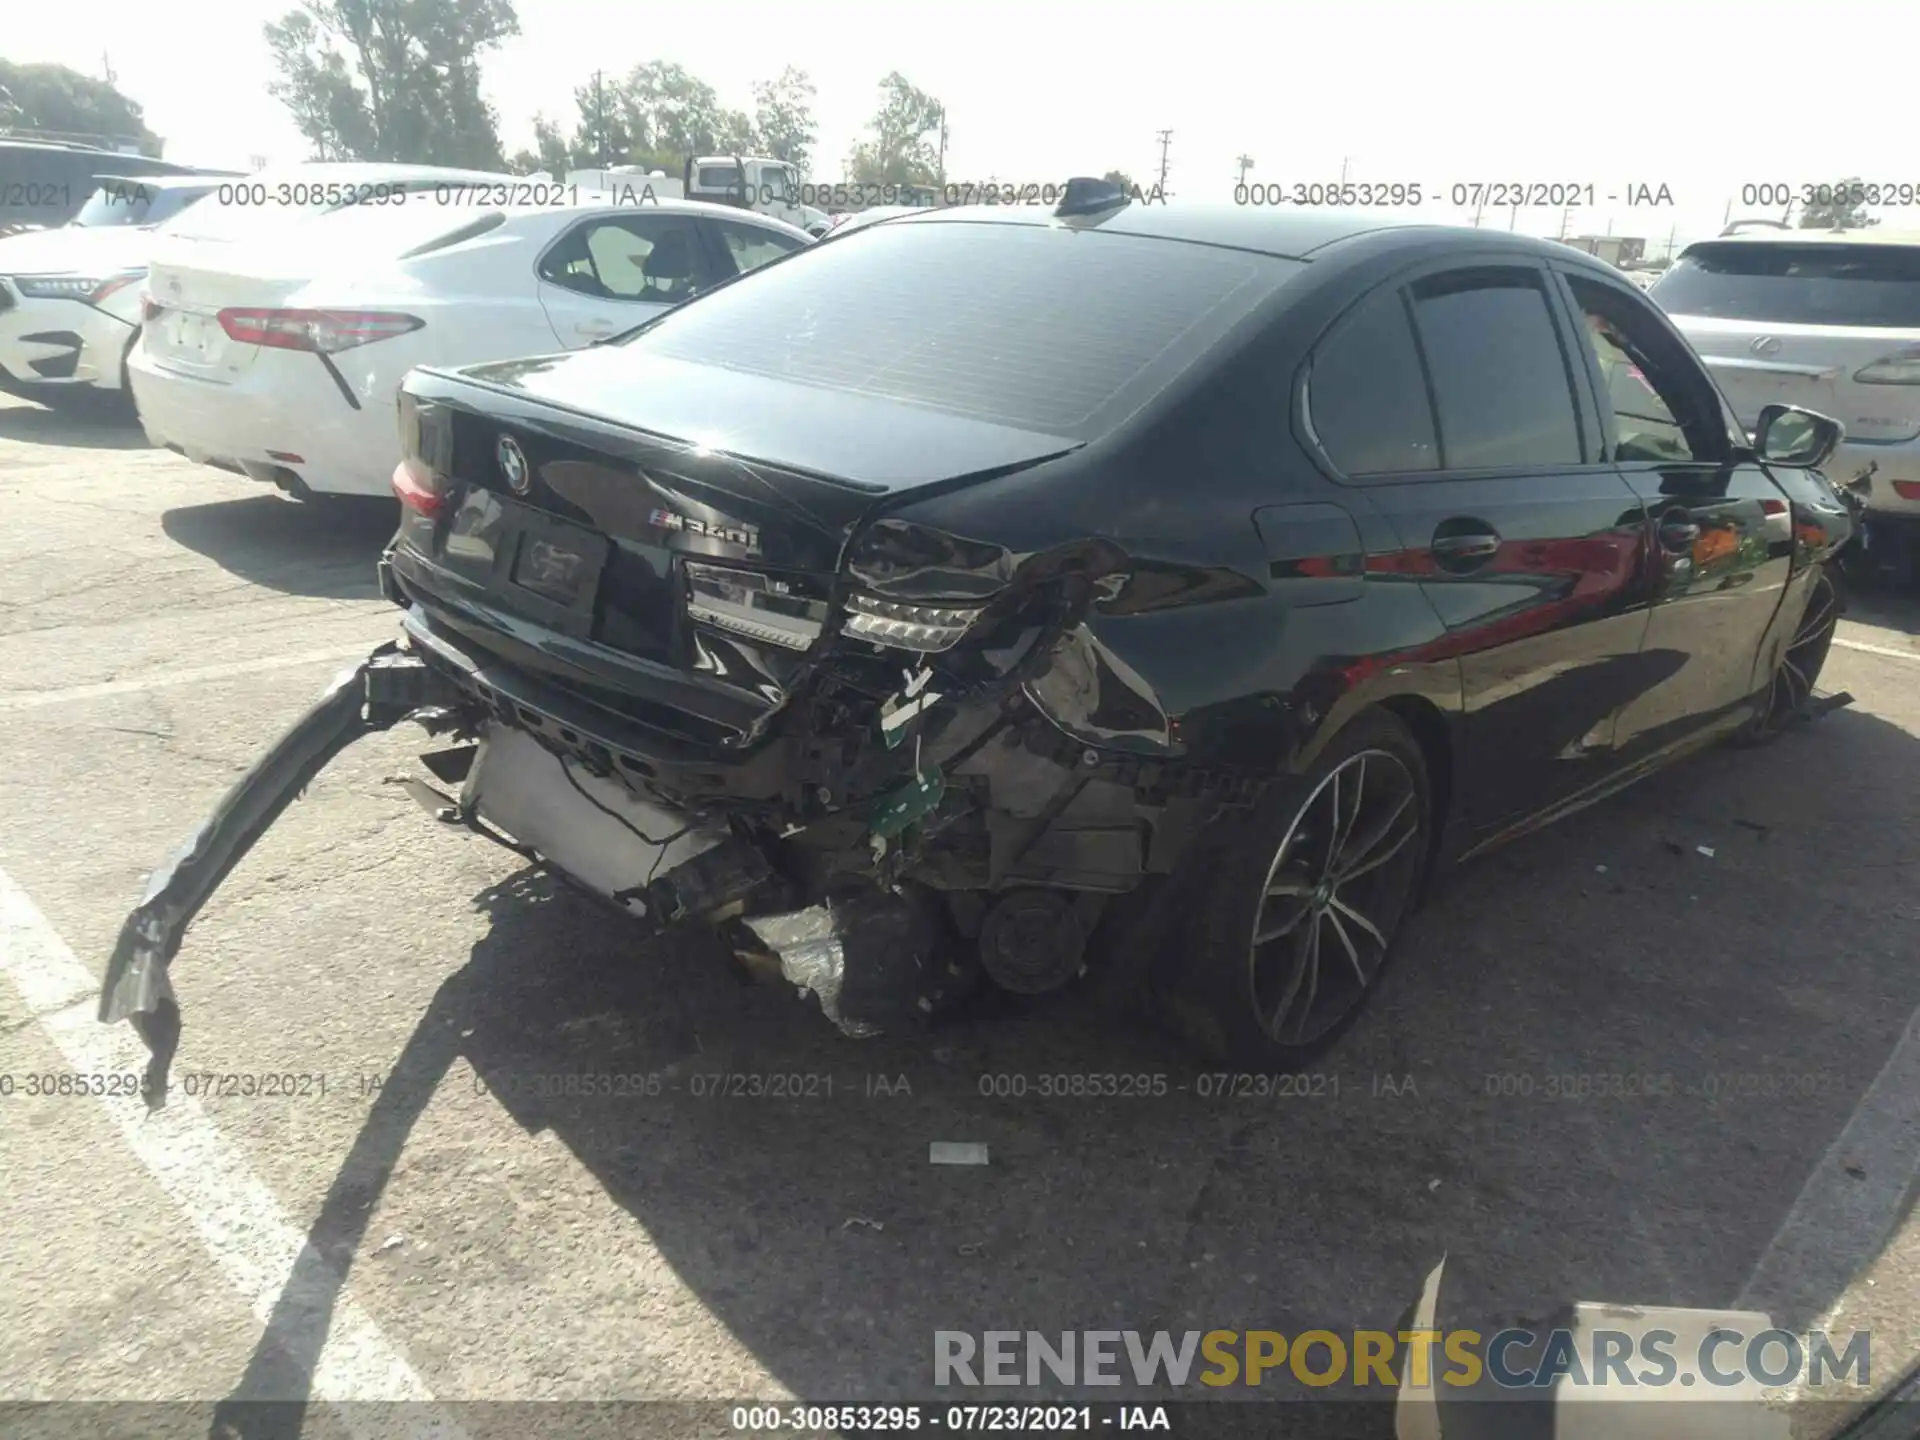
column 1703, row 97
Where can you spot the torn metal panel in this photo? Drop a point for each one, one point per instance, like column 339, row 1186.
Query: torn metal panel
column 811, row 957
column 371, row 696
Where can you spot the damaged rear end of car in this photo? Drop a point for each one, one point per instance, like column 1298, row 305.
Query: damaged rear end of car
column 750, row 629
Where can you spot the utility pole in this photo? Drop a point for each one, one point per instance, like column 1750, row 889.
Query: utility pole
column 943, row 147
column 600, row 119
column 1676, row 230
column 1245, row 162
column 1565, row 212
column 106, row 65
column 1343, row 168
column 1513, row 218
column 1166, row 140
column 1479, row 206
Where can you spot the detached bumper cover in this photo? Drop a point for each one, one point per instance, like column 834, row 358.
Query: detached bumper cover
column 382, row 690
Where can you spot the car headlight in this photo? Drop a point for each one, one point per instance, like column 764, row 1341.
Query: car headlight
column 925, row 628
column 90, row 288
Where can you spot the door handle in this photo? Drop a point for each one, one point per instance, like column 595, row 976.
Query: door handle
column 1678, row 534
column 594, row 327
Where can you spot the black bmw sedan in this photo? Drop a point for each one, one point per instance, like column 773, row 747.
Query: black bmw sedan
column 1015, row 595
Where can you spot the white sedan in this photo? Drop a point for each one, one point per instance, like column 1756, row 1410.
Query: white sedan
column 282, row 361
column 70, row 296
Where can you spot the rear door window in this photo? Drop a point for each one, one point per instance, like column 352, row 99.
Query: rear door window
column 1500, row 379
column 1812, row 283
column 751, row 246
column 649, row 258
column 1366, row 397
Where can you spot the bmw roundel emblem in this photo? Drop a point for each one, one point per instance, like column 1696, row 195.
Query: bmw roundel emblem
column 513, row 464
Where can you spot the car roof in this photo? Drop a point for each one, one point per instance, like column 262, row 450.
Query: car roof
column 160, row 182
column 599, row 202
column 8, row 143
column 1288, row 233
column 1870, row 235
column 376, row 170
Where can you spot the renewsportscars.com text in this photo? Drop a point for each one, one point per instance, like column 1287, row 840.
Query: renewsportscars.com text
column 1512, row 1359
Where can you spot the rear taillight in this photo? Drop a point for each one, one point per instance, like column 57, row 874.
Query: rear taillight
column 420, row 487
column 1900, row 368
column 925, row 628
column 1907, row 489
column 150, row 308
column 326, row 332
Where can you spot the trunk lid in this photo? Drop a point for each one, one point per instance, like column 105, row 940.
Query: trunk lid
column 1796, row 322
column 613, row 556
column 186, row 293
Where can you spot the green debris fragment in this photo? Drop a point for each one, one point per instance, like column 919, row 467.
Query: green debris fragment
column 903, row 806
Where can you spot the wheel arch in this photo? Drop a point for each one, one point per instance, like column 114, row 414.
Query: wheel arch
column 1435, row 738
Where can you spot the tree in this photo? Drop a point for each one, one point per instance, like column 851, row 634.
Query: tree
column 392, row 79
column 601, row 136
column 1120, row 178
column 550, row 147
column 1837, row 211
column 783, row 117
column 65, row 102
column 672, row 114
column 903, row 149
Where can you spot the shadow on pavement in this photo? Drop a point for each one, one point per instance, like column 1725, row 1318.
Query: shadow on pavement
column 325, row 548
column 100, row 423
column 1887, row 606
column 1603, row 1068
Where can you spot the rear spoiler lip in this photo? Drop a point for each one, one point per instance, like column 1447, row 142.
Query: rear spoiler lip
column 374, row 695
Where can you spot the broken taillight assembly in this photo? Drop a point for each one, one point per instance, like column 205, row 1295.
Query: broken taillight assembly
column 326, row 332
column 759, row 607
column 923, row 628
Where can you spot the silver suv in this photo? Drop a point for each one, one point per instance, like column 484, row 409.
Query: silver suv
column 1828, row 320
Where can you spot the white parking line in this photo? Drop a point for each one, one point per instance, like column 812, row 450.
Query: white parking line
column 236, row 1216
column 1853, row 1198
column 1887, row 650
column 34, row 699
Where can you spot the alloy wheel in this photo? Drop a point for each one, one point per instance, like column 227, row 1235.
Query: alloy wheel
column 1333, row 897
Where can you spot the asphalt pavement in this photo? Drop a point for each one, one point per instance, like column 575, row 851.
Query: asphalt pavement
column 421, row 1210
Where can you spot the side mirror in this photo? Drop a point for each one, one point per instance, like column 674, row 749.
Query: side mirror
column 1788, row 435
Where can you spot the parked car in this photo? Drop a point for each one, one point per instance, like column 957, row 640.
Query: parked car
column 282, row 359
column 1151, row 590
column 852, row 220
column 1829, row 320
column 46, row 182
column 771, row 187
column 70, row 297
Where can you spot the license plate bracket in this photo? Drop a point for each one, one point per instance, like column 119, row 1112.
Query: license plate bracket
column 541, row 566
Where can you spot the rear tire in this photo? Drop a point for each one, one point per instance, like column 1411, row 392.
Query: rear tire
column 1297, row 919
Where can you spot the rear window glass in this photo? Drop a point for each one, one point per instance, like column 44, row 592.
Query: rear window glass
column 1816, row 284
column 260, row 204
column 132, row 202
column 1057, row 331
